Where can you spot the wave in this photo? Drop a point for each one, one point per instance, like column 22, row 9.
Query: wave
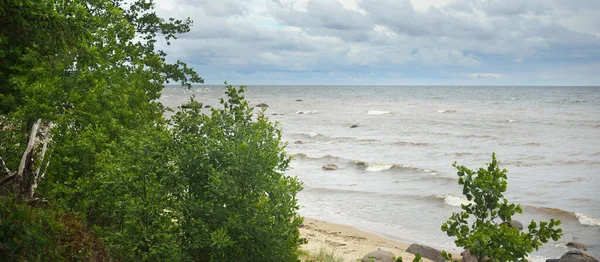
column 587, row 220
column 377, row 112
column 452, row 200
column 366, row 166
column 582, row 219
column 445, row 111
column 320, row 137
column 403, row 143
column 373, row 167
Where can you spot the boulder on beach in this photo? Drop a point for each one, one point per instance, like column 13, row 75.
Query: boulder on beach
column 577, row 245
column 574, row 256
column 467, row 257
column 379, row 256
column 426, row 252
column 262, row 105
column 515, row 224
column 329, row 167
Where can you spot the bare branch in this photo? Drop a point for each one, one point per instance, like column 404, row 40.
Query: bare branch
column 8, row 179
column 3, row 166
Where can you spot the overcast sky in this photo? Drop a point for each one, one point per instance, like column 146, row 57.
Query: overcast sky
column 390, row 42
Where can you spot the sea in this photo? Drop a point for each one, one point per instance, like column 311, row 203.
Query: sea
column 395, row 145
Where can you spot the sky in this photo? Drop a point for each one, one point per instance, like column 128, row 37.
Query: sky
column 389, row 42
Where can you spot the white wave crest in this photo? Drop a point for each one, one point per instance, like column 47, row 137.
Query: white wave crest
column 442, row 111
column 587, row 220
column 372, row 167
column 377, row 112
column 453, row 200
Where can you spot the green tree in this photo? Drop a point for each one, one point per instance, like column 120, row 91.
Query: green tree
column 233, row 200
column 487, row 236
column 83, row 78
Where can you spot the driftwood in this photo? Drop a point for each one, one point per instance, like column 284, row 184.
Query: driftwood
column 32, row 166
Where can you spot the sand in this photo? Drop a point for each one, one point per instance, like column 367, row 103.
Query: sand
column 347, row 241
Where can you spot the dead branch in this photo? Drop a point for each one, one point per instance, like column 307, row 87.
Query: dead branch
column 3, row 167
column 8, row 179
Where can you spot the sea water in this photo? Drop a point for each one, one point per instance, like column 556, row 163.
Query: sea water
column 395, row 145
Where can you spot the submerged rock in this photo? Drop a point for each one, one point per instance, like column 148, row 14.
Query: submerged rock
column 298, row 142
column 577, row 245
column 207, row 106
column 299, row 100
column 262, row 105
column 379, row 256
column 329, row 167
column 354, row 126
column 426, row 252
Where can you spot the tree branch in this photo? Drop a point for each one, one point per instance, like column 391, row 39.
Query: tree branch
column 8, row 179
column 4, row 167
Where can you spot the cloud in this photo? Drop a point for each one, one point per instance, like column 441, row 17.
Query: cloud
column 424, row 41
column 485, row 75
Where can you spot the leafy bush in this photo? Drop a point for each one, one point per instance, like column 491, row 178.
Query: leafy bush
column 488, row 237
column 42, row 234
column 231, row 197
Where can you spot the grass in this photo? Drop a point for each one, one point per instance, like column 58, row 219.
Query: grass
column 323, row 255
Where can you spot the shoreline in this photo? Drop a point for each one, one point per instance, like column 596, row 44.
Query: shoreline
column 348, row 242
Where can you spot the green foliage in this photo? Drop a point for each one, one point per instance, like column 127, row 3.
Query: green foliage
column 232, row 199
column 43, row 234
column 488, row 237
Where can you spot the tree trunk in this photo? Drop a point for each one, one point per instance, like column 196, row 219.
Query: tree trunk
column 32, row 165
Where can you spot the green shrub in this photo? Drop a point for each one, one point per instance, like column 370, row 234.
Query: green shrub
column 488, row 237
column 42, row 234
column 233, row 200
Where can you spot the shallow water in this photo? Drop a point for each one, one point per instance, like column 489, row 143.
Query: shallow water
column 395, row 175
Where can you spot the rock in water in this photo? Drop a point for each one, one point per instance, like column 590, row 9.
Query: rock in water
column 354, row 126
column 207, row 106
column 298, row 142
column 262, row 105
column 426, row 252
column 329, row 167
column 577, row 245
column 299, row 100
column 379, row 256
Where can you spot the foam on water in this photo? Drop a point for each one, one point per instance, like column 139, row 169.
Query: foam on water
column 377, row 112
column 443, row 111
column 587, row 220
column 453, row 200
column 372, row 167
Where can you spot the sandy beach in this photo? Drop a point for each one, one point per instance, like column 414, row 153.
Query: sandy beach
column 347, row 241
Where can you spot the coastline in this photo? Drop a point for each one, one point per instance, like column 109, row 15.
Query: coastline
column 348, row 242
